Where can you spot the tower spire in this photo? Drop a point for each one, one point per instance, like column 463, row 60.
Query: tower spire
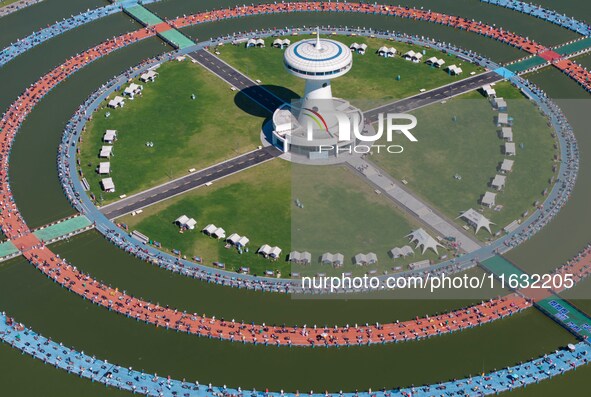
column 318, row 45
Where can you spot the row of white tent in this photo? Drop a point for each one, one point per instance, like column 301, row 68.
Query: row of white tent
column 214, row 231
column 132, row 90
column 237, row 240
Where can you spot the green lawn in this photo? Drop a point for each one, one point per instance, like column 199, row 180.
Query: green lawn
column 259, row 203
column 460, row 137
column 371, row 81
column 186, row 133
column 4, row 3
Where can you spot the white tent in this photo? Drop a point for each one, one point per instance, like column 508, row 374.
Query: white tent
column 104, row 168
column 477, row 220
column 500, row 104
column 409, row 55
column 507, row 133
column 275, row 252
column 133, row 90
column 488, row 199
column 209, row 229
column 106, row 152
column 502, row 119
column 417, row 58
column 338, row 260
column 360, row 259
column 117, row 102
column 219, row 233
column 242, row 241
column 371, row 258
column 251, row 43
column 279, row 43
column 108, row 185
column 148, row 76
column 110, row 136
column 506, row 165
column 489, row 91
column 510, row 148
column 424, row 240
column 327, row 258
column 498, row 182
column 398, row 252
column 265, row 249
column 191, row 224
column 186, row 222
column 454, row 70
column 233, row 238
column 435, row 62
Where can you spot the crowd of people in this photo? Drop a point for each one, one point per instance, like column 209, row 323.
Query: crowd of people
column 17, row 5
column 89, row 367
column 538, row 11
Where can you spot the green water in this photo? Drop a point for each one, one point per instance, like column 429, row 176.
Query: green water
column 66, row 317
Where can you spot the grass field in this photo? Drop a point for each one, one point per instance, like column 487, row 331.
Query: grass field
column 471, row 148
column 259, row 204
column 186, row 133
column 371, row 81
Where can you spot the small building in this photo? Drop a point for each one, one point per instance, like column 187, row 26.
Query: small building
column 488, row 199
column 185, row 222
column 108, row 185
column 401, row 252
column 477, row 220
column 303, row 258
column 337, row 260
column 150, row 75
column 117, row 102
column 488, row 91
column 454, row 70
column 503, row 120
column 360, row 48
column 500, row 104
column 506, row 166
column 260, row 43
column 433, row 61
column 510, row 148
column 110, row 136
column 104, row 168
column 507, row 134
column 133, row 90
column 498, row 182
column 387, row 52
column 281, row 43
column 106, row 152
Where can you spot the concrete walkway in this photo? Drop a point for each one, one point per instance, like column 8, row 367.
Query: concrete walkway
column 415, row 206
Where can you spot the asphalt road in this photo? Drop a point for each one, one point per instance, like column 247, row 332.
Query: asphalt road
column 188, row 182
column 436, row 95
column 270, row 102
column 238, row 80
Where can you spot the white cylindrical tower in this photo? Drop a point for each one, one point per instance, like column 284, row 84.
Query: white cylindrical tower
column 318, row 61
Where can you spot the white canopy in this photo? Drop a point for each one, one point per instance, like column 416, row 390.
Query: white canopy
column 110, row 136
column 507, row 165
column 507, row 133
column 503, row 119
column 104, row 168
column 108, row 185
column 477, row 220
column 488, row 199
column 219, row 233
column 454, row 70
column 185, row 221
column 500, row 103
column 360, row 259
column 275, row 252
column 409, row 55
column 106, row 151
column 510, row 148
column 148, row 76
column 117, row 102
column 424, row 240
column 398, row 252
column 488, row 90
column 233, row 238
column 498, row 181
column 190, row 224
column 209, row 229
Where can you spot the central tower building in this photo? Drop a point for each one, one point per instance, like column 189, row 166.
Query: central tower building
column 309, row 126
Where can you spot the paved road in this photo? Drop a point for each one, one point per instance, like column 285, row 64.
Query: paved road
column 236, row 79
column 188, row 182
column 270, row 102
column 436, row 95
